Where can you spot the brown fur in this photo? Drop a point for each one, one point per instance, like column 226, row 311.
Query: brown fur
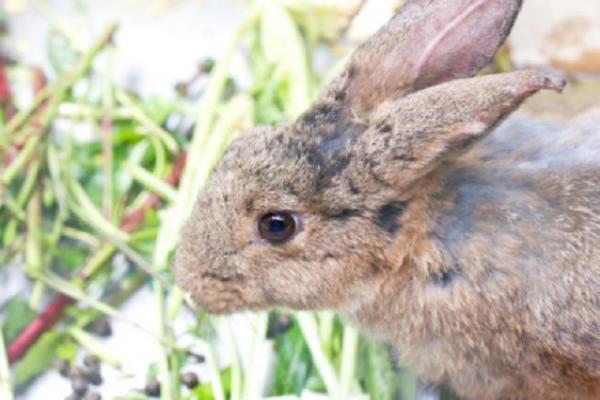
column 476, row 254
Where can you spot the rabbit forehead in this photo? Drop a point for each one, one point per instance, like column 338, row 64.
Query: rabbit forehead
column 269, row 165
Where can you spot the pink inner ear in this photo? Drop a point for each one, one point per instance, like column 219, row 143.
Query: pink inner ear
column 466, row 43
column 427, row 43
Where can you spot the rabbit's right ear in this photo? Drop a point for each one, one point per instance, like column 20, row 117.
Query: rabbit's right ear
column 428, row 42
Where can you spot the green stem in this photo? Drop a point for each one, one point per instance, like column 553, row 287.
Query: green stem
column 226, row 335
column 151, row 182
column 19, row 162
column 85, row 209
column 106, row 131
column 91, row 344
column 192, row 179
column 215, row 374
column 309, row 329
column 6, row 391
column 81, row 236
column 167, row 389
column 76, row 293
column 76, row 111
column 33, row 246
column 259, row 328
column 152, row 127
column 36, row 130
column 348, row 367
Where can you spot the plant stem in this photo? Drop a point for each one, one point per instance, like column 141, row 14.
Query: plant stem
column 37, row 327
column 91, row 344
column 54, row 310
column 140, row 116
column 64, row 82
column 106, row 130
column 226, row 334
column 33, row 246
column 6, row 392
column 151, row 182
column 309, row 329
column 215, row 373
column 348, row 367
column 260, row 323
column 19, row 162
column 59, row 91
column 167, row 390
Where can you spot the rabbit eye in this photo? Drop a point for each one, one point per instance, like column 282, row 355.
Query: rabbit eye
column 277, row 227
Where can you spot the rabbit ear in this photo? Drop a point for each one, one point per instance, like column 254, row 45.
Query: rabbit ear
column 428, row 42
column 408, row 138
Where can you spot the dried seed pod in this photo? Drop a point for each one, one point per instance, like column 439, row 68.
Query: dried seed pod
column 91, row 395
column 190, row 380
column 91, row 360
column 206, row 66
column 197, row 358
column 62, row 366
column 100, row 327
column 152, row 388
column 76, row 370
column 182, row 89
column 79, row 384
column 92, row 369
column 95, row 378
column 278, row 325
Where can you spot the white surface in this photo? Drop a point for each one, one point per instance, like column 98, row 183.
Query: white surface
column 156, row 45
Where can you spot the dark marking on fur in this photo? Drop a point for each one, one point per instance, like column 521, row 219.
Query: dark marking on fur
column 221, row 278
column 352, row 186
column 315, row 157
column 319, row 115
column 385, row 127
column 343, row 134
column 447, row 277
column 345, row 214
column 249, row 205
column 389, row 215
column 338, row 166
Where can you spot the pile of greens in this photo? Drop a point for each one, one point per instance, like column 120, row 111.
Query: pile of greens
column 70, row 208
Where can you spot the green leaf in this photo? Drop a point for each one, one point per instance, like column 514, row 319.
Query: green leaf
column 284, row 46
column 18, row 316
column 377, row 374
column 38, row 358
column 66, row 350
column 61, row 55
column 293, row 365
column 70, row 257
column 204, row 391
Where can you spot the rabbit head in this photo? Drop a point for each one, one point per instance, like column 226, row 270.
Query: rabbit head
column 304, row 214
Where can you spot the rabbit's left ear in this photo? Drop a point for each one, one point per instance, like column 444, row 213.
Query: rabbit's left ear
column 428, row 42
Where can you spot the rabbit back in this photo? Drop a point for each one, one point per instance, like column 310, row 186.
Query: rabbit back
column 517, row 223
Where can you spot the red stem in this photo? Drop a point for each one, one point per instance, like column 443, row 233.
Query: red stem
column 54, row 310
column 5, row 94
column 39, row 325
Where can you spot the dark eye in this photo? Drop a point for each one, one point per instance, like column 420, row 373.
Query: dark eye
column 277, row 227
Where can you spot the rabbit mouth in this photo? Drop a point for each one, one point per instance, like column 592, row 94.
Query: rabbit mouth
column 216, row 296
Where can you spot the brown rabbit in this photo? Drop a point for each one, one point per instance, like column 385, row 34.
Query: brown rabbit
column 477, row 255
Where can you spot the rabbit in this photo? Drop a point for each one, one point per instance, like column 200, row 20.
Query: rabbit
column 406, row 200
